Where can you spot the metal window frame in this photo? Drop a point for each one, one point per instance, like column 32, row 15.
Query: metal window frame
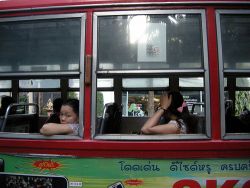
column 224, row 135
column 205, row 71
column 79, row 73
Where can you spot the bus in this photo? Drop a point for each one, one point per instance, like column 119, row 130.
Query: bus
column 117, row 57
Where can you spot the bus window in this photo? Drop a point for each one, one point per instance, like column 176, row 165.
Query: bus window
column 41, row 55
column 5, row 88
column 233, row 32
column 138, row 56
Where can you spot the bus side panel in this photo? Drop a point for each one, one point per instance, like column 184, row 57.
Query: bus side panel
column 126, row 172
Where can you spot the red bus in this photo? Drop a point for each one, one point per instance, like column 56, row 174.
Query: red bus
column 117, row 57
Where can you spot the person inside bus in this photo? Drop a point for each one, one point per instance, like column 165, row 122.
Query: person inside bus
column 55, row 115
column 69, row 120
column 5, row 102
column 172, row 117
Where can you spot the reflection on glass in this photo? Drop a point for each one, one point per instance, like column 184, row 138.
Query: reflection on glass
column 43, row 99
column 237, row 104
column 35, row 83
column 145, row 82
column 150, row 42
column 74, row 83
column 138, row 103
column 243, row 82
column 105, row 82
column 235, row 32
column 40, row 45
column 144, row 103
column 137, row 28
column 195, row 101
column 4, row 84
column 191, row 82
column 4, row 94
column 102, row 98
column 237, row 113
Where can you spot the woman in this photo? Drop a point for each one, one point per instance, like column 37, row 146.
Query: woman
column 173, row 109
column 69, row 120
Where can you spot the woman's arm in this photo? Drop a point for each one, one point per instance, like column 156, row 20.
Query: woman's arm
column 49, row 129
column 169, row 128
column 152, row 127
column 152, row 121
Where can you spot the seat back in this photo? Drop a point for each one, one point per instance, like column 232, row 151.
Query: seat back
column 111, row 120
column 132, row 124
column 25, row 122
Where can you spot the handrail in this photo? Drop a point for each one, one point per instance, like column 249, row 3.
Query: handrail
column 12, row 106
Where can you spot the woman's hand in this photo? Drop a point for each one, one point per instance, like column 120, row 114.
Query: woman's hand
column 165, row 101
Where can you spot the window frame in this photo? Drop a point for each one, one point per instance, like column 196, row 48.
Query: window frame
column 53, row 74
column 142, row 73
column 227, row 72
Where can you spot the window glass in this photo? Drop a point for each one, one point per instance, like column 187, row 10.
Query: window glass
column 195, row 101
column 140, row 103
column 74, row 83
column 145, row 82
column 138, row 58
column 42, row 56
column 237, row 114
column 4, row 84
column 235, row 62
column 103, row 97
column 5, row 93
column 2, row 94
column 194, row 98
column 235, row 32
column 35, row 83
column 243, row 82
column 192, row 82
column 73, row 95
column 40, row 45
column 43, row 99
column 105, row 82
column 150, row 42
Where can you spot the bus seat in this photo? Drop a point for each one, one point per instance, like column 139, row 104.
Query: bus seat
column 201, row 128
column 132, row 124
column 196, row 124
column 27, row 122
column 111, row 120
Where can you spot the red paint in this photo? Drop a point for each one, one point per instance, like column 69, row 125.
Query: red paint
column 133, row 182
column 185, row 183
column 216, row 147
column 209, row 184
column 46, row 164
column 247, row 184
column 213, row 71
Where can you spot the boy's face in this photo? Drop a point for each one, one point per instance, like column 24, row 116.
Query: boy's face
column 67, row 115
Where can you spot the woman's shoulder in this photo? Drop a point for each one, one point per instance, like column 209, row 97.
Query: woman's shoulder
column 183, row 126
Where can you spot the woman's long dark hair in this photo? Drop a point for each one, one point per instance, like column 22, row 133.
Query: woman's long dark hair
column 177, row 102
column 74, row 104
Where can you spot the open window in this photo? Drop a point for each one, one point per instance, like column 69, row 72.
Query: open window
column 233, row 35
column 41, row 58
column 138, row 56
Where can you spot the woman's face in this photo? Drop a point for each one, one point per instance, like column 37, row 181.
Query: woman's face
column 67, row 115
